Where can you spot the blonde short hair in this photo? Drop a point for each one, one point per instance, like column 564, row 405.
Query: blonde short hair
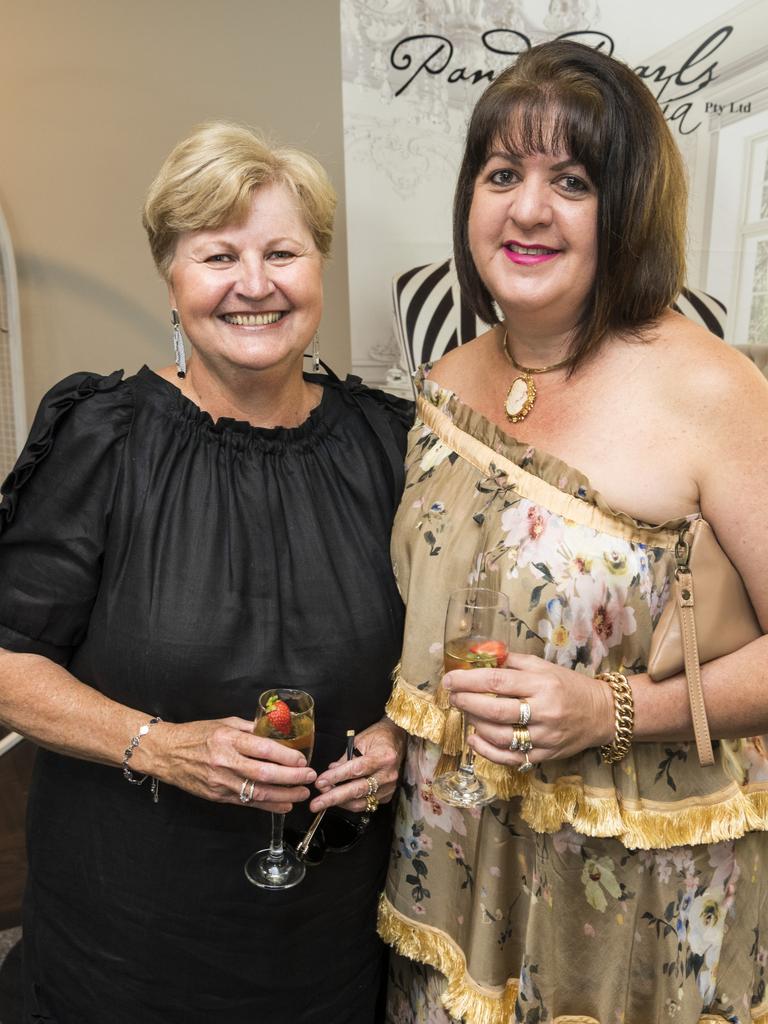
column 208, row 181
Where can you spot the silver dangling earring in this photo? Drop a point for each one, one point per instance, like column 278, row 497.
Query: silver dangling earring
column 316, row 353
column 178, row 345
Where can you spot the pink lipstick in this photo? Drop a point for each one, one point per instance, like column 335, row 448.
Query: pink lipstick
column 528, row 255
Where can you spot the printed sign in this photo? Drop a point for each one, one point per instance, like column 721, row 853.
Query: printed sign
column 412, row 72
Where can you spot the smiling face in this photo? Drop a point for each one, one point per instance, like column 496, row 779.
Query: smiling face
column 533, row 236
column 250, row 295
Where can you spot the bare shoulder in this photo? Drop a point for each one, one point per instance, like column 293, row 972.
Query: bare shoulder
column 708, row 381
column 727, row 408
column 722, row 410
column 462, row 369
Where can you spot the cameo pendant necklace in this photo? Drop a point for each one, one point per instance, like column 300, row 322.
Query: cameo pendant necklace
column 522, row 391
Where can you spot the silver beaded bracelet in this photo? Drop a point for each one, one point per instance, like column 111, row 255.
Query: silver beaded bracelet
column 128, row 754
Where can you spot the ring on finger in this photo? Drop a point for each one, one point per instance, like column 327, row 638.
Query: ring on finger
column 526, row 766
column 246, row 791
column 371, row 803
column 522, row 737
column 525, row 712
column 373, row 785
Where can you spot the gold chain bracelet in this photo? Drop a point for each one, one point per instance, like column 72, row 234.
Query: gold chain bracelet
column 624, row 708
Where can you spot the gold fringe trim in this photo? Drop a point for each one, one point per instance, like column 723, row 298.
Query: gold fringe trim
column 453, row 730
column 508, row 782
column 453, row 733
column 447, row 763
column 463, row 998
column 416, row 712
column 728, row 819
column 548, row 808
column 640, row 825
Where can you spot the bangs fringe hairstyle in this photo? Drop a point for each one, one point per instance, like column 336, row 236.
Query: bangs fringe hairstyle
column 564, row 96
column 208, row 181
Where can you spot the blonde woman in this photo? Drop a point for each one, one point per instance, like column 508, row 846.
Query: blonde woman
column 171, row 545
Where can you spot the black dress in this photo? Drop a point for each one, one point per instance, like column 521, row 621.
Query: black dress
column 182, row 566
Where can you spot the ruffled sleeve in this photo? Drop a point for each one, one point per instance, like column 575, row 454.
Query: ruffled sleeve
column 55, row 513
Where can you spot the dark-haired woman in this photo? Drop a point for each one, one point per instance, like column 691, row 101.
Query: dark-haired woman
column 557, row 457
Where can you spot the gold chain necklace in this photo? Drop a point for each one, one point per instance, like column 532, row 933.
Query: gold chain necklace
column 522, row 391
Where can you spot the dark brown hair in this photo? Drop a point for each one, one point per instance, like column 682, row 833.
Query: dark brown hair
column 564, row 96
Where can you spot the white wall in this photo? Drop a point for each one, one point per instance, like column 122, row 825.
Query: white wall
column 93, row 94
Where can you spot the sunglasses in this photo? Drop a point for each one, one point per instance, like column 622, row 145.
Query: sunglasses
column 337, row 834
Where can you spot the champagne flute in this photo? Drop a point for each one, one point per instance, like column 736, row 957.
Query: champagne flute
column 476, row 636
column 278, row 867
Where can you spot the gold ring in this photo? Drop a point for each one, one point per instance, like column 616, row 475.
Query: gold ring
column 525, row 712
column 526, row 766
column 522, row 737
column 373, row 785
column 371, row 804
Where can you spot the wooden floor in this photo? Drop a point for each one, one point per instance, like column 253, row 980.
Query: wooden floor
column 15, row 771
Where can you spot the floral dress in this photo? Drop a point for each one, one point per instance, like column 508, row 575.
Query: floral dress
column 620, row 894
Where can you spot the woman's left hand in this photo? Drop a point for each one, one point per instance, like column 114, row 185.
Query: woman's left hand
column 345, row 783
column 569, row 711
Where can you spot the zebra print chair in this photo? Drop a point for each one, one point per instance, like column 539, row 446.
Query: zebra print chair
column 431, row 317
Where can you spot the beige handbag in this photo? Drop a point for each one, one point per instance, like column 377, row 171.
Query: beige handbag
column 693, row 630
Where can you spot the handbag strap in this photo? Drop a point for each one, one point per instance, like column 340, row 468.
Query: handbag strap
column 685, row 604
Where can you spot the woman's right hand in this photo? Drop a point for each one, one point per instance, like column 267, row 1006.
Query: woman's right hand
column 210, row 759
column 213, row 760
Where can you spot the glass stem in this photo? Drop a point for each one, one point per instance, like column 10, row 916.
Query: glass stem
column 467, row 753
column 276, row 841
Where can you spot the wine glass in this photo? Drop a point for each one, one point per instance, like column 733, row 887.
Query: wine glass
column 476, row 636
column 278, row 867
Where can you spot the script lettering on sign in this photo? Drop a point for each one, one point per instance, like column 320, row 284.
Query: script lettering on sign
column 674, row 87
